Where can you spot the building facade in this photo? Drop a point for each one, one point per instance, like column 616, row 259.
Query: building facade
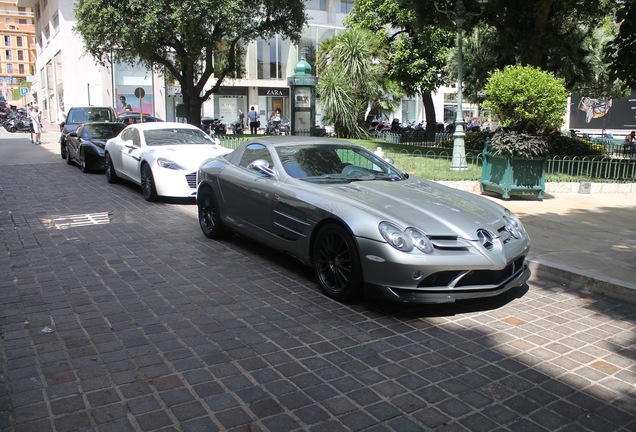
column 64, row 74
column 17, row 32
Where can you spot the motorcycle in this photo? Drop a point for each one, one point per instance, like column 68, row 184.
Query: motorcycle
column 213, row 125
column 273, row 125
column 18, row 123
column 237, row 127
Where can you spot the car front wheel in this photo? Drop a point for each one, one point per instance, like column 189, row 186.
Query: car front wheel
column 111, row 175
column 209, row 215
column 63, row 149
column 82, row 161
column 336, row 263
column 69, row 160
column 148, row 188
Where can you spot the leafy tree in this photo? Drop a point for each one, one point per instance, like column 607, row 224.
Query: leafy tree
column 351, row 67
column 479, row 59
column 620, row 54
column 554, row 35
column 416, row 54
column 190, row 41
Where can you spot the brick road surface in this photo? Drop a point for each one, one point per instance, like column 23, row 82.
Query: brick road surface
column 118, row 315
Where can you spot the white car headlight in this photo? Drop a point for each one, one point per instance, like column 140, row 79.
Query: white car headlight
column 405, row 240
column 167, row 163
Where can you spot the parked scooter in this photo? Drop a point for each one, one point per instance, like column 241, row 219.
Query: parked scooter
column 18, row 123
column 273, row 125
column 237, row 127
column 213, row 125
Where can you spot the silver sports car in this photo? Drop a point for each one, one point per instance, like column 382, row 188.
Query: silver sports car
column 362, row 224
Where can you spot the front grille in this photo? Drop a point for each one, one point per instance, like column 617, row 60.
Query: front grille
column 192, row 180
column 472, row 278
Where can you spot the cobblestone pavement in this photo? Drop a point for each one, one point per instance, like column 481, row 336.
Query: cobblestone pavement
column 118, row 315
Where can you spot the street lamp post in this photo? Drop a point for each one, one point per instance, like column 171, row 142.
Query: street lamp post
column 459, row 15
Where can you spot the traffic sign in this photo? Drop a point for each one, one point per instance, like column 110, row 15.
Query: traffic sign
column 24, row 90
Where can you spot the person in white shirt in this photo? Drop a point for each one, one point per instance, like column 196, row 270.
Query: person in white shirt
column 36, row 124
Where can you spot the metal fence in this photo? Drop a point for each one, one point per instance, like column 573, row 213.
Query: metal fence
column 436, row 164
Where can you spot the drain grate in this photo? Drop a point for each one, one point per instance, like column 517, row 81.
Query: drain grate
column 79, row 220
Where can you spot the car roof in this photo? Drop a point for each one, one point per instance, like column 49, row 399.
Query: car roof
column 101, row 123
column 162, row 125
column 91, row 108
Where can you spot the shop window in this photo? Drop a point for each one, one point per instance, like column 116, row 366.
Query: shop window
column 346, row 6
column 316, row 4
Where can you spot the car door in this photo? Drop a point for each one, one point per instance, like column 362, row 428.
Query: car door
column 73, row 142
column 248, row 194
column 131, row 155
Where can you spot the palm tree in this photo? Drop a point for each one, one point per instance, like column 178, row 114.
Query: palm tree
column 351, row 68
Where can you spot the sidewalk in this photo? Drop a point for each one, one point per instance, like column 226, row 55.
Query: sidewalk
column 586, row 241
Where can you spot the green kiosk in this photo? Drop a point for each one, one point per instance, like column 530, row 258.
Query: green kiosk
column 303, row 100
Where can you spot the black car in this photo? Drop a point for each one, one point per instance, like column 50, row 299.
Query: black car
column 86, row 144
column 130, row 117
column 78, row 115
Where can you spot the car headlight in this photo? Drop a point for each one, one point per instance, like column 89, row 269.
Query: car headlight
column 405, row 240
column 514, row 225
column 420, row 240
column 167, row 163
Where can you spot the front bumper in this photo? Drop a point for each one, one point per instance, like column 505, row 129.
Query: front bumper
column 439, row 278
column 175, row 183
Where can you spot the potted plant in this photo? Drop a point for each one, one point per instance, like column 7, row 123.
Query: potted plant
column 530, row 104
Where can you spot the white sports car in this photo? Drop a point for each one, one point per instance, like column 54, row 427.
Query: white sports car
column 162, row 158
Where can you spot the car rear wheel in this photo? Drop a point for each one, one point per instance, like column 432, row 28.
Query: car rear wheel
column 148, row 189
column 209, row 216
column 336, row 263
column 111, row 176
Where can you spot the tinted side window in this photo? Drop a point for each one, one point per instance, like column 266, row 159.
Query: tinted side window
column 131, row 135
column 254, row 152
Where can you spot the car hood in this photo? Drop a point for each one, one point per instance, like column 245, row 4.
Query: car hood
column 431, row 207
column 188, row 156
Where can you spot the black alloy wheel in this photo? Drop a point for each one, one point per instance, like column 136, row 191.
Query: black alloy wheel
column 209, row 216
column 69, row 160
column 111, row 175
column 82, row 161
column 148, row 188
column 336, row 263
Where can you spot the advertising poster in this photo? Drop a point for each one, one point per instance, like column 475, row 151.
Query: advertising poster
column 603, row 113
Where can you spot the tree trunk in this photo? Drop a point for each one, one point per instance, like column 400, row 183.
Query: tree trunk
column 429, row 111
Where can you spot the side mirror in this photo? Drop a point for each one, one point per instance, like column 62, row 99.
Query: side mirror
column 262, row 166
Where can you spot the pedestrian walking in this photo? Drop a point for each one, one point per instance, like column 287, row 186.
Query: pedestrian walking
column 36, row 124
column 241, row 117
column 254, row 122
column 61, row 117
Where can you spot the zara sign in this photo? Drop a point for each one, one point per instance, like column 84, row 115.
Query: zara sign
column 275, row 92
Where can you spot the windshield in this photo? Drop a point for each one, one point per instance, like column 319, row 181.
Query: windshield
column 176, row 136
column 329, row 163
column 105, row 130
